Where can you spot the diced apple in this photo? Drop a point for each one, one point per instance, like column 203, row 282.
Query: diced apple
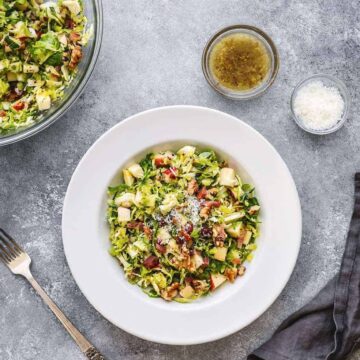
column 73, row 6
column 228, row 177
column 234, row 229
column 136, row 171
column 124, row 214
column 247, row 237
column 63, row 39
column 235, row 216
column 216, row 280
column 220, row 253
column 43, row 102
column 187, row 150
column 254, row 209
column 244, row 238
column 187, row 292
column 128, row 178
column 138, row 198
column 197, row 260
column 125, row 200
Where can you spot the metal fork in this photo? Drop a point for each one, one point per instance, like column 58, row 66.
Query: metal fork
column 18, row 261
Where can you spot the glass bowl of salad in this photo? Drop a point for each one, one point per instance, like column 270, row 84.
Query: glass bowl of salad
column 48, row 52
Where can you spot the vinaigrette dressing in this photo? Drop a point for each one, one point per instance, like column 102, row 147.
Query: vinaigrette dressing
column 240, row 62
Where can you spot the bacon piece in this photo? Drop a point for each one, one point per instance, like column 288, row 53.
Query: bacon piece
column 189, row 227
column 13, row 95
column 147, row 231
column 69, row 23
column 185, row 235
column 74, row 37
column 75, row 58
column 202, row 193
column 19, row 106
column 160, row 248
column 212, row 204
column 151, row 262
column 135, row 225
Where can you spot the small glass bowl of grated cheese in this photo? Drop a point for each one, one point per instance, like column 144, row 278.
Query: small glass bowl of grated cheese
column 320, row 104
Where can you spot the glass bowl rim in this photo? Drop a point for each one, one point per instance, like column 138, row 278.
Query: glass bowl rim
column 77, row 91
column 265, row 38
column 340, row 85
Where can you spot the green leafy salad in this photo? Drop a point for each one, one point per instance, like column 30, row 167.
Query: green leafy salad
column 40, row 48
column 182, row 224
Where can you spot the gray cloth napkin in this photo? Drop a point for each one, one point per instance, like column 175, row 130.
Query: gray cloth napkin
column 328, row 328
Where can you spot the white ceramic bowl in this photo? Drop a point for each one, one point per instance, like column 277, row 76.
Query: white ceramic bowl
column 100, row 277
column 329, row 81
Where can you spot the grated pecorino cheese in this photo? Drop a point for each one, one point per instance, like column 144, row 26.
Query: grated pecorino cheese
column 319, row 107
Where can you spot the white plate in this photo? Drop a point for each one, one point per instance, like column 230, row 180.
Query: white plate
column 100, row 277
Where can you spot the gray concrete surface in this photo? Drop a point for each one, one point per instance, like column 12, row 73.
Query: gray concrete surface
column 151, row 57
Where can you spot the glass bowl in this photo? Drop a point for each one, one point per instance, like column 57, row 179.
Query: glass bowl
column 93, row 11
column 327, row 80
column 264, row 39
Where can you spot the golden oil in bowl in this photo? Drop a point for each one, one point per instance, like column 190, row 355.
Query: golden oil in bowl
column 240, row 62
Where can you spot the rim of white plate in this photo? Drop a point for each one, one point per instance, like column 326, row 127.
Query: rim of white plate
column 227, row 296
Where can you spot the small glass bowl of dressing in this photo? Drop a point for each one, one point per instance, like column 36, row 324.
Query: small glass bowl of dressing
column 327, row 82
column 240, row 62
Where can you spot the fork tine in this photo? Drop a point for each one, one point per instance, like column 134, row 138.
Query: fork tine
column 4, row 255
column 9, row 240
column 11, row 248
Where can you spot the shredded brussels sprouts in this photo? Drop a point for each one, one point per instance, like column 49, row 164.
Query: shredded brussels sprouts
column 40, row 48
column 182, row 224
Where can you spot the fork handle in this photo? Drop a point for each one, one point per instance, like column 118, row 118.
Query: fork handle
column 85, row 346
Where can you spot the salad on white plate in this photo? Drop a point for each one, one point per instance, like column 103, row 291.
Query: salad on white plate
column 182, row 223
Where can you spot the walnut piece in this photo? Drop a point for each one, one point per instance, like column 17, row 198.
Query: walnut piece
column 170, row 292
column 193, row 187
